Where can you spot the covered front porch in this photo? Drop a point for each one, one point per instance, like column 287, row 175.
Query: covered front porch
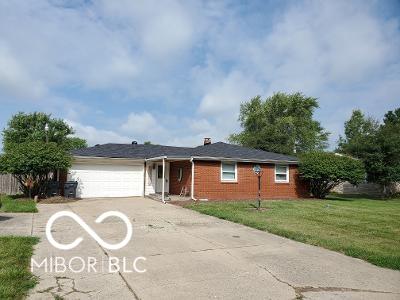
column 169, row 178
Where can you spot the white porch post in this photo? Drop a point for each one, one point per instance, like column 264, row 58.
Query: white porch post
column 192, row 183
column 163, row 181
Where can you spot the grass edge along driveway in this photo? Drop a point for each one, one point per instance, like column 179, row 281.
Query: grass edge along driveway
column 15, row 276
column 362, row 228
column 15, row 204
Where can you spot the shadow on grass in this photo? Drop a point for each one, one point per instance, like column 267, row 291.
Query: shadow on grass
column 253, row 205
column 352, row 197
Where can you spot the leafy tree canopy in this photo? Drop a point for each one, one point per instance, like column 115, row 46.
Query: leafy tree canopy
column 282, row 123
column 325, row 170
column 32, row 162
column 377, row 145
column 359, row 133
column 32, row 153
column 30, row 127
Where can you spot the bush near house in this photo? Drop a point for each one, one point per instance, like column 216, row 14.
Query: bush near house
column 325, row 170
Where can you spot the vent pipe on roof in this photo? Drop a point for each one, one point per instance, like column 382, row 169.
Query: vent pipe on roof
column 207, row 141
column 134, row 142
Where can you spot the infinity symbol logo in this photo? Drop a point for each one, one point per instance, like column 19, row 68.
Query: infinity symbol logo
column 89, row 230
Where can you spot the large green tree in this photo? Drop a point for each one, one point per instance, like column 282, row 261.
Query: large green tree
column 383, row 164
column 31, row 163
column 35, row 145
column 377, row 145
column 282, row 123
column 30, row 127
column 360, row 132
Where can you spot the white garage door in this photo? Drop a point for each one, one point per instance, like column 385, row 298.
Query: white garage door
column 97, row 180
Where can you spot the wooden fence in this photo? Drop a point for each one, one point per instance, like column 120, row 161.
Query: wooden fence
column 8, row 185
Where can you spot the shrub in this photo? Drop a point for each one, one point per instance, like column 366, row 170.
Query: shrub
column 325, row 170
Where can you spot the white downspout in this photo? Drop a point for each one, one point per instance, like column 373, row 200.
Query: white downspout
column 163, row 181
column 145, row 178
column 192, row 184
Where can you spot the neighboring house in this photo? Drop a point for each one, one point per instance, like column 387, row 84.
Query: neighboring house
column 217, row 171
column 365, row 188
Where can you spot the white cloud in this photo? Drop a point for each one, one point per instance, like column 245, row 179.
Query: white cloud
column 94, row 135
column 163, row 29
column 14, row 79
column 224, row 96
column 59, row 46
column 324, row 43
column 144, row 127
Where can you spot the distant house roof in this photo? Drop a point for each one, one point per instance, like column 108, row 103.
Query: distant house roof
column 217, row 150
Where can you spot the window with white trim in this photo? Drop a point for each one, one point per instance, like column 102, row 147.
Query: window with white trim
column 228, row 171
column 281, row 173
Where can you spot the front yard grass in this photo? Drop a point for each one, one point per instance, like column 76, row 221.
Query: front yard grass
column 11, row 204
column 359, row 227
column 15, row 276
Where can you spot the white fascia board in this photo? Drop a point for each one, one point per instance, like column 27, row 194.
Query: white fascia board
column 167, row 158
column 83, row 159
column 274, row 161
column 156, row 158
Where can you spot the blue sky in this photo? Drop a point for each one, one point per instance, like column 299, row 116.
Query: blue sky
column 173, row 72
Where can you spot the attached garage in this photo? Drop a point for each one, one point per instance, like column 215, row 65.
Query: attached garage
column 107, row 178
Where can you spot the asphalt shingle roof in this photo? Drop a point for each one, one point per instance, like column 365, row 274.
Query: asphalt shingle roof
column 215, row 150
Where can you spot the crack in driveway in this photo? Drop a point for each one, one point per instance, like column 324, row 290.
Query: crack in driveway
column 300, row 290
column 62, row 286
column 119, row 273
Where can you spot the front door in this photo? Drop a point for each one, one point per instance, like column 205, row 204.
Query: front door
column 159, row 176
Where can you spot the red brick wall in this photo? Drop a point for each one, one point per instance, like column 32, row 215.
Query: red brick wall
column 208, row 185
column 174, row 185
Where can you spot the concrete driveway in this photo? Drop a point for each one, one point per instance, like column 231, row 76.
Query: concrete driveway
column 192, row 256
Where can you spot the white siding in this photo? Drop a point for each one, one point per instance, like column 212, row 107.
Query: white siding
column 107, row 180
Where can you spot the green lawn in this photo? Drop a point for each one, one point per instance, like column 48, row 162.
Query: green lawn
column 15, row 276
column 11, row 204
column 363, row 228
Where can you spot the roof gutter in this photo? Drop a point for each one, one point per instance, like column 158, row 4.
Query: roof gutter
column 170, row 158
column 106, row 158
column 245, row 160
column 156, row 158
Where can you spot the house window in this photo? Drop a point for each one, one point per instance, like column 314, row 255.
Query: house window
column 180, row 174
column 150, row 173
column 281, row 173
column 229, row 171
column 159, row 171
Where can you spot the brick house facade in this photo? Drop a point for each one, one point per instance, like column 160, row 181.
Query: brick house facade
column 175, row 186
column 208, row 184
